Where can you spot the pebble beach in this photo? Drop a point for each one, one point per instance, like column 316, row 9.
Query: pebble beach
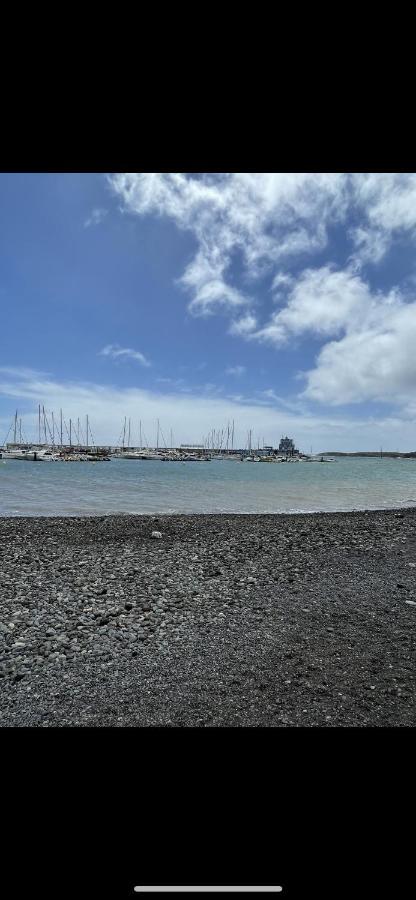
column 208, row 620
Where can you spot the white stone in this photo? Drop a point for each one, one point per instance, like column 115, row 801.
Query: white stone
column 156, row 534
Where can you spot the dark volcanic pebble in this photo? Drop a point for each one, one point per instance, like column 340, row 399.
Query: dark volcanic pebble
column 225, row 620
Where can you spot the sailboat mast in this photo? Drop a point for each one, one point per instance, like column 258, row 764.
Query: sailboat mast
column 61, row 428
column 128, row 440
column 15, row 427
column 44, row 423
column 39, row 420
column 53, row 430
column 232, row 437
column 87, row 430
column 157, row 436
column 140, row 433
column 78, row 431
column 70, row 432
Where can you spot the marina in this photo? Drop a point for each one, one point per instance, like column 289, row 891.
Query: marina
column 50, row 445
column 280, row 478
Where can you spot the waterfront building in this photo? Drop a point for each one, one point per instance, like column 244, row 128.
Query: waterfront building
column 287, row 446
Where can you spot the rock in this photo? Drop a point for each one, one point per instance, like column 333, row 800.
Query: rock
column 156, row 534
column 410, row 602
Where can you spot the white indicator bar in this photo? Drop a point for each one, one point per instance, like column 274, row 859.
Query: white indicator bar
column 204, row 889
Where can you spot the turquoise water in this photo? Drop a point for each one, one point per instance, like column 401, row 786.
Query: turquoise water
column 130, row 486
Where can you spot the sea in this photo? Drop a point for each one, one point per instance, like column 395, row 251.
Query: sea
column 218, row 486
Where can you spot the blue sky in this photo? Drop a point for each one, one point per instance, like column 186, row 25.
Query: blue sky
column 284, row 302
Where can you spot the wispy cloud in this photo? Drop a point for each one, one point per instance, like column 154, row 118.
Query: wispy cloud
column 22, row 372
column 114, row 351
column 244, row 326
column 97, row 216
column 172, row 382
column 262, row 217
column 192, row 415
column 387, row 204
column 235, row 370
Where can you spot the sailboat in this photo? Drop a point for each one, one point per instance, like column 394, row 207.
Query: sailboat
column 251, row 457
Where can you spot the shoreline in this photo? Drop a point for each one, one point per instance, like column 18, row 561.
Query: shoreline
column 247, row 619
column 365, row 510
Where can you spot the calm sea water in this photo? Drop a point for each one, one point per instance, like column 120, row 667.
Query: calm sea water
column 129, row 486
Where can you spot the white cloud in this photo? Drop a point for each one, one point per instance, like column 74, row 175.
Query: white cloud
column 261, row 217
column 387, row 202
column 22, row 372
column 96, row 217
column 204, row 278
column 282, row 280
column 244, row 326
column 371, row 356
column 375, row 362
column 264, row 222
column 116, row 352
column 323, row 301
column 266, row 218
column 235, row 370
column 371, row 244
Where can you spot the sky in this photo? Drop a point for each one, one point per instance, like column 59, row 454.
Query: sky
column 283, row 302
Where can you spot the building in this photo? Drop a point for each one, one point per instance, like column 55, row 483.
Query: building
column 287, row 446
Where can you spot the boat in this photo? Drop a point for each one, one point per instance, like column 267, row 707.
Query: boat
column 30, row 455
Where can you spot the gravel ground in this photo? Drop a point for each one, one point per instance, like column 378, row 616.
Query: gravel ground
column 223, row 620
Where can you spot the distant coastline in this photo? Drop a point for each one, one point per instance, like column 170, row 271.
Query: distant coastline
column 393, row 454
